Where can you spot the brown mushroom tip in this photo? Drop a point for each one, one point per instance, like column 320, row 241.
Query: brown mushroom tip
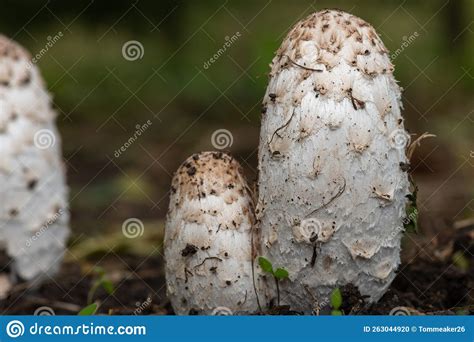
column 329, row 37
column 11, row 49
column 208, row 173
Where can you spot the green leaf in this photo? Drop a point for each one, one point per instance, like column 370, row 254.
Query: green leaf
column 461, row 262
column 108, row 286
column 336, row 299
column 280, row 273
column 336, row 313
column 265, row 265
column 462, row 312
column 98, row 270
column 88, row 310
column 411, row 221
column 413, row 196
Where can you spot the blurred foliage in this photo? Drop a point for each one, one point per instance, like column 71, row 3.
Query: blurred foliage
column 461, row 261
column 86, row 249
column 101, row 97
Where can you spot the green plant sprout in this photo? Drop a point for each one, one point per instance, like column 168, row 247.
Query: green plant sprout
column 278, row 274
column 89, row 310
column 410, row 223
column 336, row 302
column 460, row 261
column 100, row 280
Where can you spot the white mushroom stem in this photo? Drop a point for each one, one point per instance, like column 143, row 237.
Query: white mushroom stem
column 208, row 243
column 331, row 188
column 34, row 212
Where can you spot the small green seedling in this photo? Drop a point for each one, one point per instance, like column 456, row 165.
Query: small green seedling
column 278, row 274
column 463, row 312
column 336, row 302
column 411, row 221
column 100, row 280
column 89, row 310
column 460, row 261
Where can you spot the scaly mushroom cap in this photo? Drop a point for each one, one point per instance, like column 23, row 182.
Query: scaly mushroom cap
column 208, row 239
column 34, row 213
column 332, row 190
column 328, row 38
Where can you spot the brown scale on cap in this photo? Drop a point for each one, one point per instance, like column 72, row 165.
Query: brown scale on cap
column 207, row 174
column 336, row 36
column 15, row 64
column 8, row 48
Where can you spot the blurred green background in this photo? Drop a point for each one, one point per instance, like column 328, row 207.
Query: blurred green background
column 100, row 96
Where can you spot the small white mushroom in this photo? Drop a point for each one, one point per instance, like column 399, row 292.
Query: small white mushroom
column 331, row 190
column 208, row 242
column 33, row 212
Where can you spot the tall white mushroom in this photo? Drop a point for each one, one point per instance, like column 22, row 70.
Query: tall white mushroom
column 332, row 149
column 33, row 195
column 208, row 243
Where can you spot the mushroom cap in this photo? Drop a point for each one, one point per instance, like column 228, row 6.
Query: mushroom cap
column 11, row 49
column 208, row 173
column 332, row 194
column 34, row 213
column 327, row 38
column 208, row 242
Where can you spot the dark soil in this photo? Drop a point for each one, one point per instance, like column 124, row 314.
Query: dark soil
column 425, row 285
